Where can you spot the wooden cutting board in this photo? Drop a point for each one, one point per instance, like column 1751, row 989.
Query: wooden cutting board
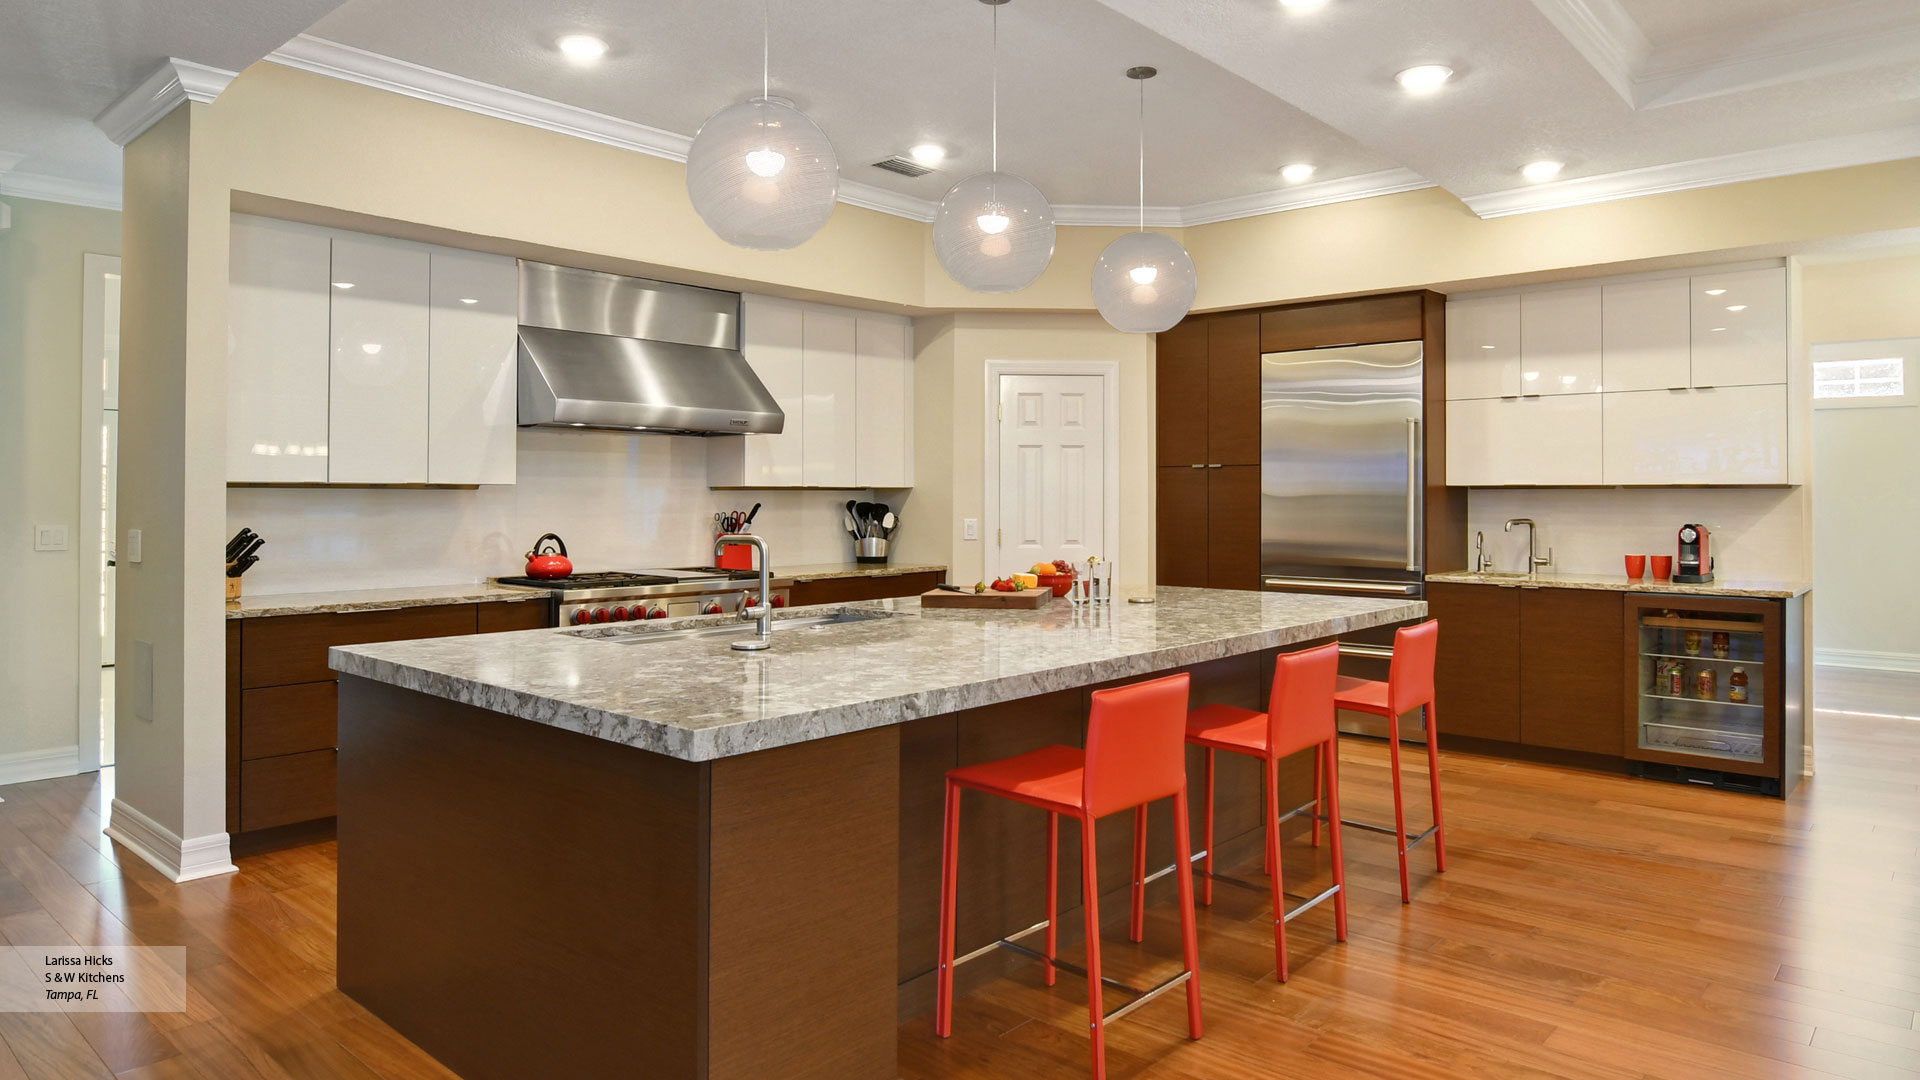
column 1027, row 600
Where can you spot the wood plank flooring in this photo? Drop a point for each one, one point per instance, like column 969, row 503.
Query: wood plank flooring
column 1590, row 927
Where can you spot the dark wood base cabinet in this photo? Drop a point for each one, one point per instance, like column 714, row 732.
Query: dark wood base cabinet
column 847, row 590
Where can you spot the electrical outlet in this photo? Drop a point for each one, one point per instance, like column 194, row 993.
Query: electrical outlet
column 131, row 553
column 49, row 538
column 970, row 528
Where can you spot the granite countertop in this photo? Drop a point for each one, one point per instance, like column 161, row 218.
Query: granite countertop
column 1620, row 583
column 314, row 603
column 825, row 571
column 696, row 699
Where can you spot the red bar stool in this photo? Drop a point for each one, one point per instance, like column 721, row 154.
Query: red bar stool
column 1133, row 757
column 1299, row 715
column 1409, row 686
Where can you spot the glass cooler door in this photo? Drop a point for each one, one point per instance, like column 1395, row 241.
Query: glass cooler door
column 1702, row 692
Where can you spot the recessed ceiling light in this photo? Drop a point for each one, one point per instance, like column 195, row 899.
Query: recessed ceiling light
column 1424, row 77
column 1736, row 307
column 583, row 47
column 1542, row 170
column 1489, row 346
column 343, row 284
column 1302, row 5
column 1716, row 292
column 1295, row 173
column 928, row 154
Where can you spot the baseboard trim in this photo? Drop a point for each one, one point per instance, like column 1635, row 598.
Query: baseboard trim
column 32, row 765
column 1858, row 658
column 180, row 860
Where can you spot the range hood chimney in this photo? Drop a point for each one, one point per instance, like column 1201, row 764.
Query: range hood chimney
column 628, row 354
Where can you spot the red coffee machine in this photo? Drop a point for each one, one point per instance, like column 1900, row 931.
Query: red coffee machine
column 1694, row 566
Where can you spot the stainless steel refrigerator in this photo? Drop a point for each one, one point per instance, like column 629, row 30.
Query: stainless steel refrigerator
column 1341, row 476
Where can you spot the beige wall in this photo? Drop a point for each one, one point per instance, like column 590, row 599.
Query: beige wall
column 950, row 385
column 1866, row 506
column 41, row 291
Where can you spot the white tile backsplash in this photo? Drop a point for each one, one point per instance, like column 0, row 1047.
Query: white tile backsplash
column 1756, row 532
column 621, row 502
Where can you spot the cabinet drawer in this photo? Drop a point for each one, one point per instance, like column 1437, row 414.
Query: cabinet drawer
column 279, row 650
column 284, row 790
column 278, row 720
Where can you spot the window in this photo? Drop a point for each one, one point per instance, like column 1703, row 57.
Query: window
column 1859, row 374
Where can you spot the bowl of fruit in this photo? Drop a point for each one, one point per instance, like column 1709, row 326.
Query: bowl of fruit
column 1057, row 575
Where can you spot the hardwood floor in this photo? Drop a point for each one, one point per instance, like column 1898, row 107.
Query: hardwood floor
column 1589, row 926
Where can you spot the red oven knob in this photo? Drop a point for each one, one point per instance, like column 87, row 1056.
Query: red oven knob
column 580, row 617
column 748, row 600
column 712, row 608
column 620, row 614
column 656, row 613
column 779, row 601
column 600, row 614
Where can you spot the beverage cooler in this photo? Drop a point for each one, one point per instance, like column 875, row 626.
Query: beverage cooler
column 1715, row 689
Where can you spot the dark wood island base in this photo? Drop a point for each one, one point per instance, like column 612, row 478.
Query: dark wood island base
column 523, row 901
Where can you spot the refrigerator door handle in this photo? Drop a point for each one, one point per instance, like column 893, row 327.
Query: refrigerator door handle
column 1413, row 493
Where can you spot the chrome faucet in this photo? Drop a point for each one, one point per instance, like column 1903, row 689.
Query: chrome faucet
column 762, row 611
column 1480, row 553
column 1534, row 562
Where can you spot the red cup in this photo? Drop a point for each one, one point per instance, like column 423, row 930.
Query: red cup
column 1636, row 567
column 1662, row 567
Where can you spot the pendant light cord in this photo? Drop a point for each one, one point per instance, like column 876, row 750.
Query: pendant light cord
column 766, row 48
column 1143, row 154
column 996, row 88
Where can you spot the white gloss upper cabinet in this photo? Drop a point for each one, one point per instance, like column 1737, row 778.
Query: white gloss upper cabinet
column 773, row 344
column 883, row 445
column 1740, row 328
column 1538, row 441
column 830, row 409
column 1559, row 342
column 473, row 334
column 1723, row 435
column 1483, row 347
column 277, row 313
column 378, row 381
column 1647, row 335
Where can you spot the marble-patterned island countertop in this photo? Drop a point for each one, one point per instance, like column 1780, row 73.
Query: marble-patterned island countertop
column 346, row 600
column 1776, row 590
column 829, row 571
column 693, row 697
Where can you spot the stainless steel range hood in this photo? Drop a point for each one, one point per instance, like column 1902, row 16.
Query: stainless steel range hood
column 603, row 351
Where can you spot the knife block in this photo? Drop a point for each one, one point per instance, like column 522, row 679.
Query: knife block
column 233, row 586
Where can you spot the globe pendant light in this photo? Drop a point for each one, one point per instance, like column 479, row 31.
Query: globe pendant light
column 761, row 174
column 994, row 231
column 1144, row 282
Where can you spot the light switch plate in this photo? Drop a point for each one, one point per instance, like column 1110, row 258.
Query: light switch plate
column 49, row 538
column 132, row 552
column 970, row 528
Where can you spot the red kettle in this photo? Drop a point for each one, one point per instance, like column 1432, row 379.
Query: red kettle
column 549, row 562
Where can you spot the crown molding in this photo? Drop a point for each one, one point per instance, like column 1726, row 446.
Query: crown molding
column 1851, row 37
column 1125, row 217
column 1301, row 196
column 1839, row 152
column 334, row 60
column 175, row 81
column 59, row 189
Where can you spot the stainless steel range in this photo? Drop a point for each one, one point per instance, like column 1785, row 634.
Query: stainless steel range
column 651, row 594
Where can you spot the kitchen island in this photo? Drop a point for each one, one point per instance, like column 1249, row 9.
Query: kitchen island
column 630, row 850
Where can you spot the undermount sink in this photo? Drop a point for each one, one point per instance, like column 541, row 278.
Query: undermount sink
column 731, row 630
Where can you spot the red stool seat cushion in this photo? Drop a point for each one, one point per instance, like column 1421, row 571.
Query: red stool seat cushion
column 1053, row 777
column 1228, row 727
column 1361, row 695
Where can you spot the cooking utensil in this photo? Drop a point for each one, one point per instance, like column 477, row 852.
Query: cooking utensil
column 751, row 514
column 545, row 562
column 953, row 588
column 887, row 523
column 252, row 552
column 238, row 545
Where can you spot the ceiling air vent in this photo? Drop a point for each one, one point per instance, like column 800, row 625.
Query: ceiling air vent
column 903, row 166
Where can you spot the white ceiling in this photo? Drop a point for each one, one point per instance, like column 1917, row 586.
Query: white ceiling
column 1633, row 95
column 63, row 61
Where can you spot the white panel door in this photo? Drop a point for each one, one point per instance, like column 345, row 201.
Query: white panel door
column 1559, row 342
column 277, row 325
column 473, row 338
column 1724, row 435
column 829, row 420
column 1648, row 335
column 1052, row 450
column 377, row 426
column 1740, row 328
column 885, row 396
column 1483, row 347
column 1535, row 441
